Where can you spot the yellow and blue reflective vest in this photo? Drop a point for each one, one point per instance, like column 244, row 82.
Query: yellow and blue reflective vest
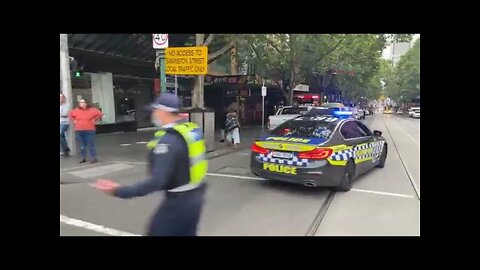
column 191, row 133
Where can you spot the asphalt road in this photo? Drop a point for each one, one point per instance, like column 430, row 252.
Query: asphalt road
column 382, row 202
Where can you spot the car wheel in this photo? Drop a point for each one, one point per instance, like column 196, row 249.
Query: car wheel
column 383, row 158
column 348, row 177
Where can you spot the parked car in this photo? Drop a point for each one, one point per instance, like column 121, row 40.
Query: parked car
column 286, row 113
column 414, row 112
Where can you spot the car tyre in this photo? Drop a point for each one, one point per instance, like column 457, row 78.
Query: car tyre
column 348, row 177
column 383, row 158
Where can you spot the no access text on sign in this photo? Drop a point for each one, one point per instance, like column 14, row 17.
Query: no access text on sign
column 186, row 60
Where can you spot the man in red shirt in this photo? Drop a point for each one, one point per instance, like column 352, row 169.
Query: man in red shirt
column 84, row 118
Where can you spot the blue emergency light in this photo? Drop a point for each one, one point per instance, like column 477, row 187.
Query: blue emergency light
column 343, row 113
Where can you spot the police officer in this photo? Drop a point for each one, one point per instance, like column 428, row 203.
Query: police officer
column 177, row 164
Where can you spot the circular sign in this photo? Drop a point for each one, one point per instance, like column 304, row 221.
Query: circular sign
column 160, row 39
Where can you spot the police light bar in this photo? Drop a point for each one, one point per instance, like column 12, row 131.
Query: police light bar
column 342, row 113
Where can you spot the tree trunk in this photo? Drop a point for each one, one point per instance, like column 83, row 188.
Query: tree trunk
column 233, row 61
column 197, row 93
column 291, row 86
column 292, row 69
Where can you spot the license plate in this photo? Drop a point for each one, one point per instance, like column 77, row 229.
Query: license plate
column 282, row 154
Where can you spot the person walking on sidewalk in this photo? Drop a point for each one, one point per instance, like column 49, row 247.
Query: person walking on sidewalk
column 64, row 125
column 84, row 118
column 232, row 126
column 177, row 164
column 223, row 119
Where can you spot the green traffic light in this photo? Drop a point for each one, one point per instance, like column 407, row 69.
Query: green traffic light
column 77, row 74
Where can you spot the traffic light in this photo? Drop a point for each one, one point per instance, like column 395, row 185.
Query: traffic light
column 75, row 68
column 78, row 73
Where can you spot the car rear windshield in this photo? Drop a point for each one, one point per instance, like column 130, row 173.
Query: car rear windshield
column 295, row 111
column 305, row 129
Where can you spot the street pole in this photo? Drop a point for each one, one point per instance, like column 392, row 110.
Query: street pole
column 67, row 87
column 163, row 76
column 176, row 93
column 264, row 93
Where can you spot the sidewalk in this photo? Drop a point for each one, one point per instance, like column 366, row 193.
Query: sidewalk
column 131, row 146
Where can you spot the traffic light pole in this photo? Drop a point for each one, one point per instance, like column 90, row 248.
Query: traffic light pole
column 163, row 76
column 67, row 87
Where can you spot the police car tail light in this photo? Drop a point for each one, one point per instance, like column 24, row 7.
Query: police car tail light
column 259, row 149
column 318, row 153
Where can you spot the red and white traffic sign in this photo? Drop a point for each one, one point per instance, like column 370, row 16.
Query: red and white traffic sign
column 160, row 41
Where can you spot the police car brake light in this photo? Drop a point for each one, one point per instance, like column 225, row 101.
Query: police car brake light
column 317, row 153
column 258, row 149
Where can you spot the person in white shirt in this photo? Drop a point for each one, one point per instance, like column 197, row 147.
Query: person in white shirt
column 64, row 125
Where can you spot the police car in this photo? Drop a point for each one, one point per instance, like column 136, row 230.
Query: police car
column 325, row 148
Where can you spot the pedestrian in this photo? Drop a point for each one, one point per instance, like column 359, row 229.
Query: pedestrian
column 64, row 125
column 223, row 119
column 84, row 118
column 232, row 125
column 177, row 165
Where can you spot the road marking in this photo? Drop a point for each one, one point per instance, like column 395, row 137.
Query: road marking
column 235, row 176
column 141, row 142
column 93, row 227
column 408, row 135
column 101, row 170
column 244, row 154
column 382, row 193
column 131, row 162
column 147, row 129
column 125, row 144
column 409, row 174
column 83, row 166
column 410, row 123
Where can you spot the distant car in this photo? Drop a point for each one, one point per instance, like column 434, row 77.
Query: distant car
column 333, row 105
column 358, row 113
column 387, row 111
column 318, row 150
column 414, row 112
column 399, row 111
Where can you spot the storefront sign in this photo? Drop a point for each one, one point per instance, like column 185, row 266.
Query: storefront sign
column 235, row 79
column 231, row 93
column 186, row 60
column 244, row 93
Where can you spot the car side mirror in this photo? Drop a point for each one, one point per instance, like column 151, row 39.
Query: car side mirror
column 377, row 133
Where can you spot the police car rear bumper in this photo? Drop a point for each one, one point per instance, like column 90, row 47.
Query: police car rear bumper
column 325, row 176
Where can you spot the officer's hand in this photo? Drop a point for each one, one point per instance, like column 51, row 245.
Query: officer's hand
column 107, row 186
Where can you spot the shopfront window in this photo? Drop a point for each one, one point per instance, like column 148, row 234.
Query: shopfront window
column 125, row 104
column 82, row 88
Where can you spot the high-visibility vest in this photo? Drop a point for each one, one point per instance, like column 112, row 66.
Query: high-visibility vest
column 196, row 152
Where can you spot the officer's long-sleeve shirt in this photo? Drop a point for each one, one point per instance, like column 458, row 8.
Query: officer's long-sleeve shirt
column 169, row 166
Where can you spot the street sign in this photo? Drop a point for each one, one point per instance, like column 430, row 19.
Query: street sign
column 264, row 91
column 187, row 60
column 160, row 41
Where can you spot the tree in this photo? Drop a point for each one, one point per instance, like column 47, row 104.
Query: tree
column 218, row 45
column 361, row 54
column 288, row 59
column 405, row 78
column 378, row 81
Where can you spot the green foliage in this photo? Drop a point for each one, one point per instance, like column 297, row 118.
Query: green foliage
column 404, row 81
